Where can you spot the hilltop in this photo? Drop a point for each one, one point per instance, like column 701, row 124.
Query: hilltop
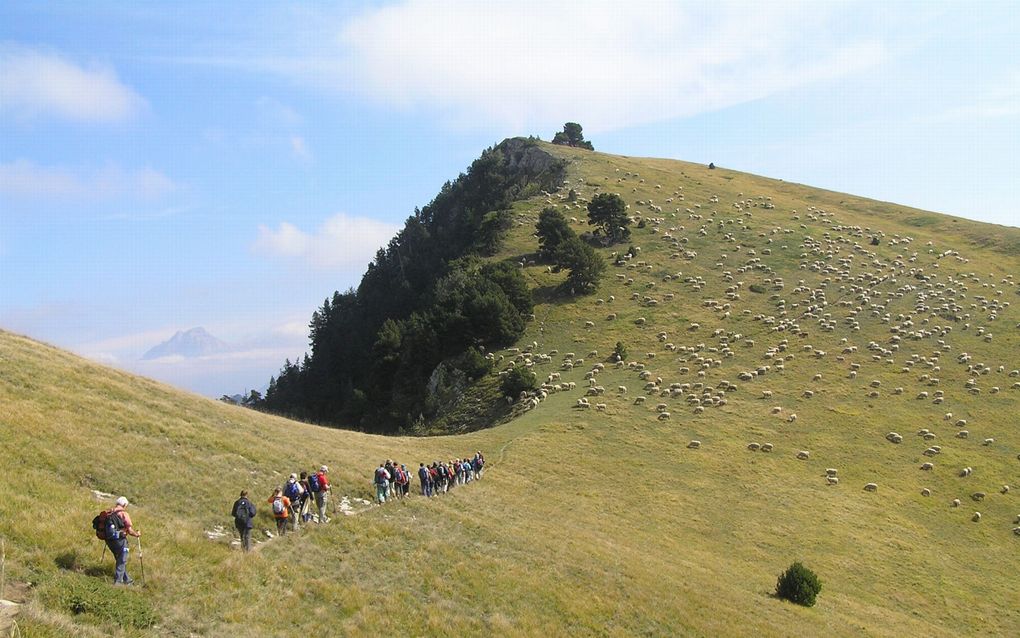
column 862, row 318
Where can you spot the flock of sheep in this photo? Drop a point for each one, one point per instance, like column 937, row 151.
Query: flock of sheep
column 929, row 314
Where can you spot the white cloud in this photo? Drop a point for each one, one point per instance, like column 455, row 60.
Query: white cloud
column 34, row 83
column 300, row 148
column 341, row 242
column 25, row 179
column 607, row 65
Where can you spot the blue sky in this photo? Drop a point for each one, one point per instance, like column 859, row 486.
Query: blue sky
column 165, row 166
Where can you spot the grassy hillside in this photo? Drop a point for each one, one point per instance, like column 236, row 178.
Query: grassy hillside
column 594, row 522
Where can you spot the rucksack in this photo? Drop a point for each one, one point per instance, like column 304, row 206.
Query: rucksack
column 108, row 525
column 292, row 491
column 313, row 483
column 381, row 476
column 278, row 507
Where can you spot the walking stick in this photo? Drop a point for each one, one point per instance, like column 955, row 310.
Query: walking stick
column 141, row 561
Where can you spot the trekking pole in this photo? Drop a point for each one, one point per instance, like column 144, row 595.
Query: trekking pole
column 141, row 561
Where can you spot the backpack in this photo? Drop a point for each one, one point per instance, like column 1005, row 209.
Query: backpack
column 292, row 491
column 313, row 483
column 108, row 525
column 278, row 507
column 381, row 476
column 241, row 511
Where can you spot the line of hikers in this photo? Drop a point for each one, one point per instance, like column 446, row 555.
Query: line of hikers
column 291, row 503
column 392, row 479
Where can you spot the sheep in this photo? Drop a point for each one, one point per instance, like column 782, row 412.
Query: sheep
column 978, row 496
column 663, row 416
column 925, row 492
column 832, row 480
column 803, row 455
column 988, row 442
column 893, row 437
column 776, row 409
column 871, row 487
column 791, row 418
column 766, row 447
column 694, row 445
column 601, row 407
column 927, row 467
column 766, row 394
column 582, row 403
column 962, row 434
column 831, row 471
column 955, row 503
column 967, row 471
column 639, row 400
column 754, row 447
column 1004, row 490
column 976, row 517
column 622, row 389
column 662, row 407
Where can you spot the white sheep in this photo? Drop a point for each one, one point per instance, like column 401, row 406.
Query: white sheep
column 871, row 487
column 803, row 455
column 639, row 400
column 694, row 445
column 663, row 416
column 976, row 517
column 766, row 447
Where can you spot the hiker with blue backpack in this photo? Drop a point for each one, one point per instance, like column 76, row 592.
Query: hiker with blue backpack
column 318, row 484
column 114, row 526
column 304, row 503
column 293, row 490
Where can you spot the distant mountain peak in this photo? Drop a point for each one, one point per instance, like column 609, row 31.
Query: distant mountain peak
column 196, row 342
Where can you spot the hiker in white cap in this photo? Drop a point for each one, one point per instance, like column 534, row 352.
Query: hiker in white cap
column 116, row 539
column 293, row 491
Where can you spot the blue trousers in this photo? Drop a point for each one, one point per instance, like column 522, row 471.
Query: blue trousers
column 119, row 549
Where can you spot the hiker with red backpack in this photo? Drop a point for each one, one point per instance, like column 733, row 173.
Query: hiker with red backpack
column 400, row 482
column 114, row 526
column 244, row 519
column 281, row 510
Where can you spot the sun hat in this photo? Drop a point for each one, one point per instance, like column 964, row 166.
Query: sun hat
column 122, row 501
column 324, row 469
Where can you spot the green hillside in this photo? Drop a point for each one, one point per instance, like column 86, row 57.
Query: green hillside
column 748, row 295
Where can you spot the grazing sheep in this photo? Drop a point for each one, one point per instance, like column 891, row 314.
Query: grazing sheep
column 754, row 447
column 639, row 400
column 622, row 389
column 955, row 503
column 967, row 471
column 976, row 517
column 962, row 434
column 832, row 480
column 988, row 442
column 663, row 416
column 766, row 447
column 791, row 418
column 978, row 496
column 694, row 445
column 871, row 487
column 927, row 466
column 803, row 455
column 893, row 437
column 766, row 394
column 582, row 403
column 1004, row 490
column 777, row 409
column 926, row 492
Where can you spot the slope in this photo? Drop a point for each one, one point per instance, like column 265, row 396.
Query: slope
column 592, row 522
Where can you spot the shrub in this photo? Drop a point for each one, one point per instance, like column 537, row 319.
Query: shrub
column 516, row 381
column 798, row 584
column 98, row 601
column 620, row 351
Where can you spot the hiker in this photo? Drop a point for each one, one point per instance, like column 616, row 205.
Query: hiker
column 426, row 480
column 118, row 527
column 389, row 484
column 293, row 490
column 244, row 519
column 382, row 483
column 320, row 488
column 304, row 502
column 401, row 480
column 281, row 510
column 478, row 463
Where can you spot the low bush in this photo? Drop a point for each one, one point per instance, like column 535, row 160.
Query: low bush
column 101, row 602
column 516, row 381
column 798, row 584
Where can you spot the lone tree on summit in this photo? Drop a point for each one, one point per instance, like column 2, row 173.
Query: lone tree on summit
column 609, row 212
column 571, row 136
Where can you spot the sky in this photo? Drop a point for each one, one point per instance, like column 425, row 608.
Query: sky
column 171, row 165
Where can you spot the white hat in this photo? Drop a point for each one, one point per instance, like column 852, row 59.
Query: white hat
column 323, row 469
column 293, row 477
column 122, row 501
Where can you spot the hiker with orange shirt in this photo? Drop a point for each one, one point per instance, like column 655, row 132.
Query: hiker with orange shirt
column 281, row 509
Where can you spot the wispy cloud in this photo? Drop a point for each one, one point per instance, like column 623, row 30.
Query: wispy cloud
column 25, row 179
column 38, row 83
column 300, row 148
column 341, row 242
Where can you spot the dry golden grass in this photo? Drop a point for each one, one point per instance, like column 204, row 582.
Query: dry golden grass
column 587, row 523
